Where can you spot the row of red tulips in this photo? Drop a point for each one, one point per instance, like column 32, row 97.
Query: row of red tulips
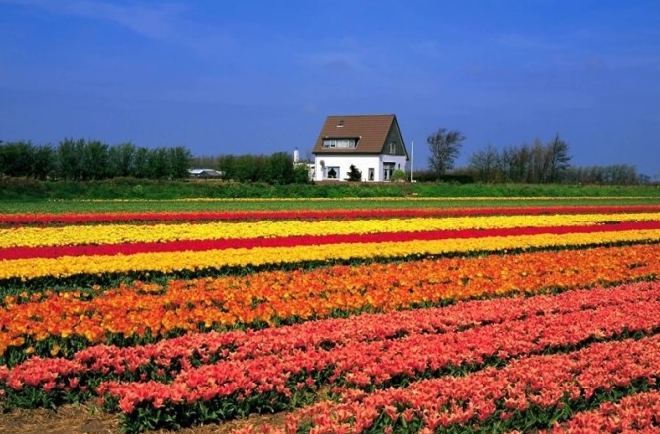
column 335, row 214
column 639, row 413
column 169, row 357
column 12, row 253
column 527, row 394
column 230, row 388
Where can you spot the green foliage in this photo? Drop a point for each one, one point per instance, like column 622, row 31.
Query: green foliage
column 121, row 159
column 276, row 169
column 59, row 192
column 301, row 174
column 17, row 158
column 89, row 160
column 280, row 168
column 615, row 174
column 399, row 175
column 43, row 159
column 179, row 157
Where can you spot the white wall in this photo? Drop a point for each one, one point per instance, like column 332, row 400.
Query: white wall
column 398, row 160
column 362, row 162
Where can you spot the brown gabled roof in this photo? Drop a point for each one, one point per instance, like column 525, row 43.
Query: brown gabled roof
column 371, row 130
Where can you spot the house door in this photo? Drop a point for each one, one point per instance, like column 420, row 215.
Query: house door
column 388, row 170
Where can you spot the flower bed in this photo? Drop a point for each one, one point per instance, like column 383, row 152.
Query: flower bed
column 637, row 413
column 51, row 323
column 275, row 381
column 410, row 320
column 332, row 344
column 335, row 214
column 531, row 392
column 186, row 256
column 110, row 234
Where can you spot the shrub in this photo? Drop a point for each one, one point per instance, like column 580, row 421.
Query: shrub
column 399, row 175
column 354, row 174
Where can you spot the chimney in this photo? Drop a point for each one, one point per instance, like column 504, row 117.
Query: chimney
column 296, row 155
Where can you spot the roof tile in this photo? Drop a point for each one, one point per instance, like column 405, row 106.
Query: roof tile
column 371, row 130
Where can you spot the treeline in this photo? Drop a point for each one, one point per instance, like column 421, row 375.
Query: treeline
column 277, row 168
column 538, row 163
column 615, row 174
column 544, row 163
column 89, row 160
column 86, row 160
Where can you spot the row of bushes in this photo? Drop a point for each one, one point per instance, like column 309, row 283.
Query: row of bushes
column 84, row 160
column 127, row 188
column 615, row 174
column 277, row 168
column 89, row 160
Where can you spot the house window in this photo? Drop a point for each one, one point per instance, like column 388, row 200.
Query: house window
column 340, row 143
column 371, row 174
column 388, row 170
column 333, row 172
column 392, row 148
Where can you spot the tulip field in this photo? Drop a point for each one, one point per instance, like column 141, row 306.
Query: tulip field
column 525, row 318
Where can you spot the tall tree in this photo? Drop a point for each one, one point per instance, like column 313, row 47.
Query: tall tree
column 140, row 166
column 179, row 162
column 444, row 147
column 538, row 163
column 121, row 159
column 485, row 164
column 279, row 169
column 158, row 163
column 506, row 162
column 95, row 160
column 69, row 155
column 558, row 159
column 17, row 158
column 44, row 161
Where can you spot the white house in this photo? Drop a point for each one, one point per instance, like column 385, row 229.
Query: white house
column 372, row 143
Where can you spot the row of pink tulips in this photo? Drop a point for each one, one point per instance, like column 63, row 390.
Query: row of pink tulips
column 390, row 362
column 543, row 384
column 639, row 413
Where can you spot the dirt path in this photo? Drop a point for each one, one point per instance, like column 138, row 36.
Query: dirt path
column 87, row 419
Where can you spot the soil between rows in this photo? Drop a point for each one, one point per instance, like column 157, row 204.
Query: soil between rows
column 91, row 419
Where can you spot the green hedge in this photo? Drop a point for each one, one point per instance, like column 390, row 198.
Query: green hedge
column 133, row 188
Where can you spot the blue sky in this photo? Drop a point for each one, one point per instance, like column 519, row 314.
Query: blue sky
column 260, row 76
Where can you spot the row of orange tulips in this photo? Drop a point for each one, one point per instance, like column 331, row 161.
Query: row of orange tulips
column 133, row 312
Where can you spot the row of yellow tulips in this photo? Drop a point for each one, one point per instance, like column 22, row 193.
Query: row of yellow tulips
column 193, row 260
column 131, row 233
